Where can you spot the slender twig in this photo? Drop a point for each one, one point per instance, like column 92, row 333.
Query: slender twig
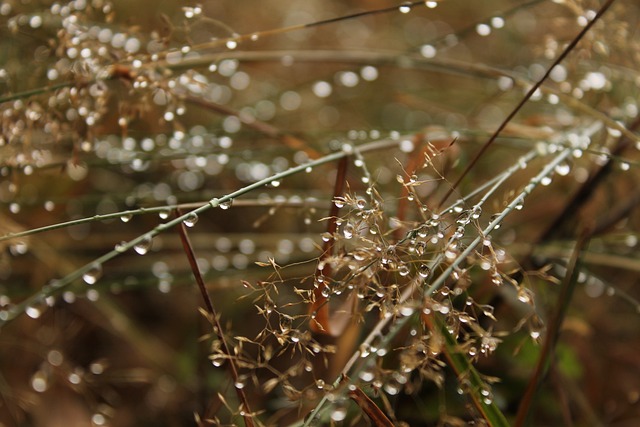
column 368, row 406
column 408, row 60
column 161, row 210
column 526, row 98
column 416, row 160
column 430, row 287
column 291, row 141
column 268, row 33
column 553, row 330
column 618, row 213
column 57, row 286
column 581, row 197
column 215, row 320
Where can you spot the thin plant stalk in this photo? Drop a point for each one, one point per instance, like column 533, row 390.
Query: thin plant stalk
column 166, row 209
column 430, row 288
column 57, row 286
column 215, row 321
column 553, row 331
column 526, row 98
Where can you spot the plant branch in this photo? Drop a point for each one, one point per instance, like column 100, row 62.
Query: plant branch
column 290, row 141
column 214, row 319
column 586, row 190
column 553, row 330
column 57, row 286
column 430, row 287
column 526, row 98
column 166, row 209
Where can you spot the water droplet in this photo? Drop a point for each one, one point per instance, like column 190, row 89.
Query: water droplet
column 428, row 51
column 339, row 412
column 361, row 203
column 405, row 8
column 406, row 310
column 39, row 382
column 464, row 218
column 322, row 89
column 563, row 169
column 226, row 204
column 92, row 275
column 191, row 219
column 365, row 350
column 33, row 312
column 424, row 271
column 143, row 246
column 483, row 29
column 164, row 214
column 451, row 253
column 359, row 255
column 19, row 248
column 98, row 419
column 391, row 251
column 476, row 212
column 296, row 336
column 487, row 394
column 497, row 22
column 348, row 230
column 121, row 247
column 366, row 375
column 524, row 295
column 403, row 270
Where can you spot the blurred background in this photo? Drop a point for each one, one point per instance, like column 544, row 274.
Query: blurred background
column 115, row 114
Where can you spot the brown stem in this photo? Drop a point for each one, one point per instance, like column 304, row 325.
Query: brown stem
column 618, row 213
column 586, row 190
column 553, row 331
column 368, row 406
column 320, row 305
column 290, row 141
column 188, row 250
column 526, row 98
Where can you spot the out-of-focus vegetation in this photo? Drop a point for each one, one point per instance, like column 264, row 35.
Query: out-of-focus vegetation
column 319, row 213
